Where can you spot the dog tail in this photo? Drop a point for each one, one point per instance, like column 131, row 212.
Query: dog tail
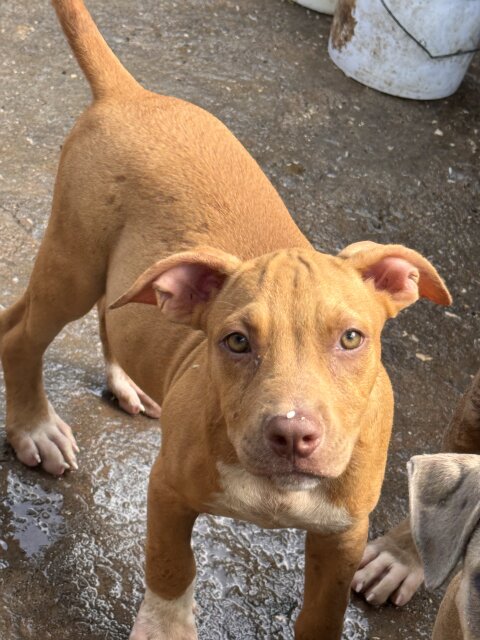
column 106, row 75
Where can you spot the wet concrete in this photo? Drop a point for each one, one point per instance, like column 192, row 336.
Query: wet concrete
column 351, row 164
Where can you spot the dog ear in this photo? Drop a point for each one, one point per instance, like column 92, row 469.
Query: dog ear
column 182, row 284
column 403, row 275
column 444, row 510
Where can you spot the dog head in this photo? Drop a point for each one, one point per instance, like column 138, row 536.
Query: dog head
column 445, row 518
column 294, row 343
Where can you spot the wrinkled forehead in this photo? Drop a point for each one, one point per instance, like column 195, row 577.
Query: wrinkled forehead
column 302, row 285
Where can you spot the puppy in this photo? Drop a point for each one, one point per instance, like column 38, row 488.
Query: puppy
column 264, row 354
column 445, row 517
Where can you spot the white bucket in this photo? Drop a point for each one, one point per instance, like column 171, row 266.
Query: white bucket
column 322, row 6
column 417, row 49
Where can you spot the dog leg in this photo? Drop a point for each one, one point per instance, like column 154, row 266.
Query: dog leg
column 447, row 624
column 330, row 563
column 63, row 287
column 129, row 395
column 166, row 612
column 463, row 433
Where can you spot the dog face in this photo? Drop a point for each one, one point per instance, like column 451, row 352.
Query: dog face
column 293, row 343
column 294, row 349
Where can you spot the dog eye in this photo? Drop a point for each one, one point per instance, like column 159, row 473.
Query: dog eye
column 237, row 343
column 351, row 339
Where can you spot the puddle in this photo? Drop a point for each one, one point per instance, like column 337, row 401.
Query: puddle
column 250, row 582
column 36, row 521
column 356, row 624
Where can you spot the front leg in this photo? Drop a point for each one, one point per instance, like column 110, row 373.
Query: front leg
column 330, row 562
column 166, row 612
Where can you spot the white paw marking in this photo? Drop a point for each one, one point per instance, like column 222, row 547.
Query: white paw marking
column 160, row 619
column 129, row 395
column 49, row 443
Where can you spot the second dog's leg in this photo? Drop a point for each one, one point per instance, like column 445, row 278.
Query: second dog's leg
column 166, row 612
column 330, row 563
column 63, row 287
column 463, row 433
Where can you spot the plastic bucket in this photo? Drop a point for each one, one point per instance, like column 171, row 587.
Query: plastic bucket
column 417, row 49
column 322, row 6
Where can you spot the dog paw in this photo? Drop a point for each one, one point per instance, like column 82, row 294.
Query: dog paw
column 160, row 619
column 146, row 632
column 130, row 397
column 390, row 569
column 50, row 443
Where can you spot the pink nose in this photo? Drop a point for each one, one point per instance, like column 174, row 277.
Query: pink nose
column 295, row 437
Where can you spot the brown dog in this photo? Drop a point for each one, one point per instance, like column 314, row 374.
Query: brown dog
column 445, row 518
column 264, row 354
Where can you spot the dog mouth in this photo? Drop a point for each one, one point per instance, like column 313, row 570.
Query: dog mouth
column 296, row 481
column 290, row 477
column 281, row 469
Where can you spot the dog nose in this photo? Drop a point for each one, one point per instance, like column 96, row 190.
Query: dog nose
column 293, row 437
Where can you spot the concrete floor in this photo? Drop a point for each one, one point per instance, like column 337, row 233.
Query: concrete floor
column 351, row 164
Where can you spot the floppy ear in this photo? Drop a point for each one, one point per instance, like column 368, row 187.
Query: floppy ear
column 444, row 510
column 182, row 284
column 402, row 274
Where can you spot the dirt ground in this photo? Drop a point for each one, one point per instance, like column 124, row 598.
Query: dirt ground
column 351, row 164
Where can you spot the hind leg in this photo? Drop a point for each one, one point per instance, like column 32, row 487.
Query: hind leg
column 129, row 395
column 63, row 287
